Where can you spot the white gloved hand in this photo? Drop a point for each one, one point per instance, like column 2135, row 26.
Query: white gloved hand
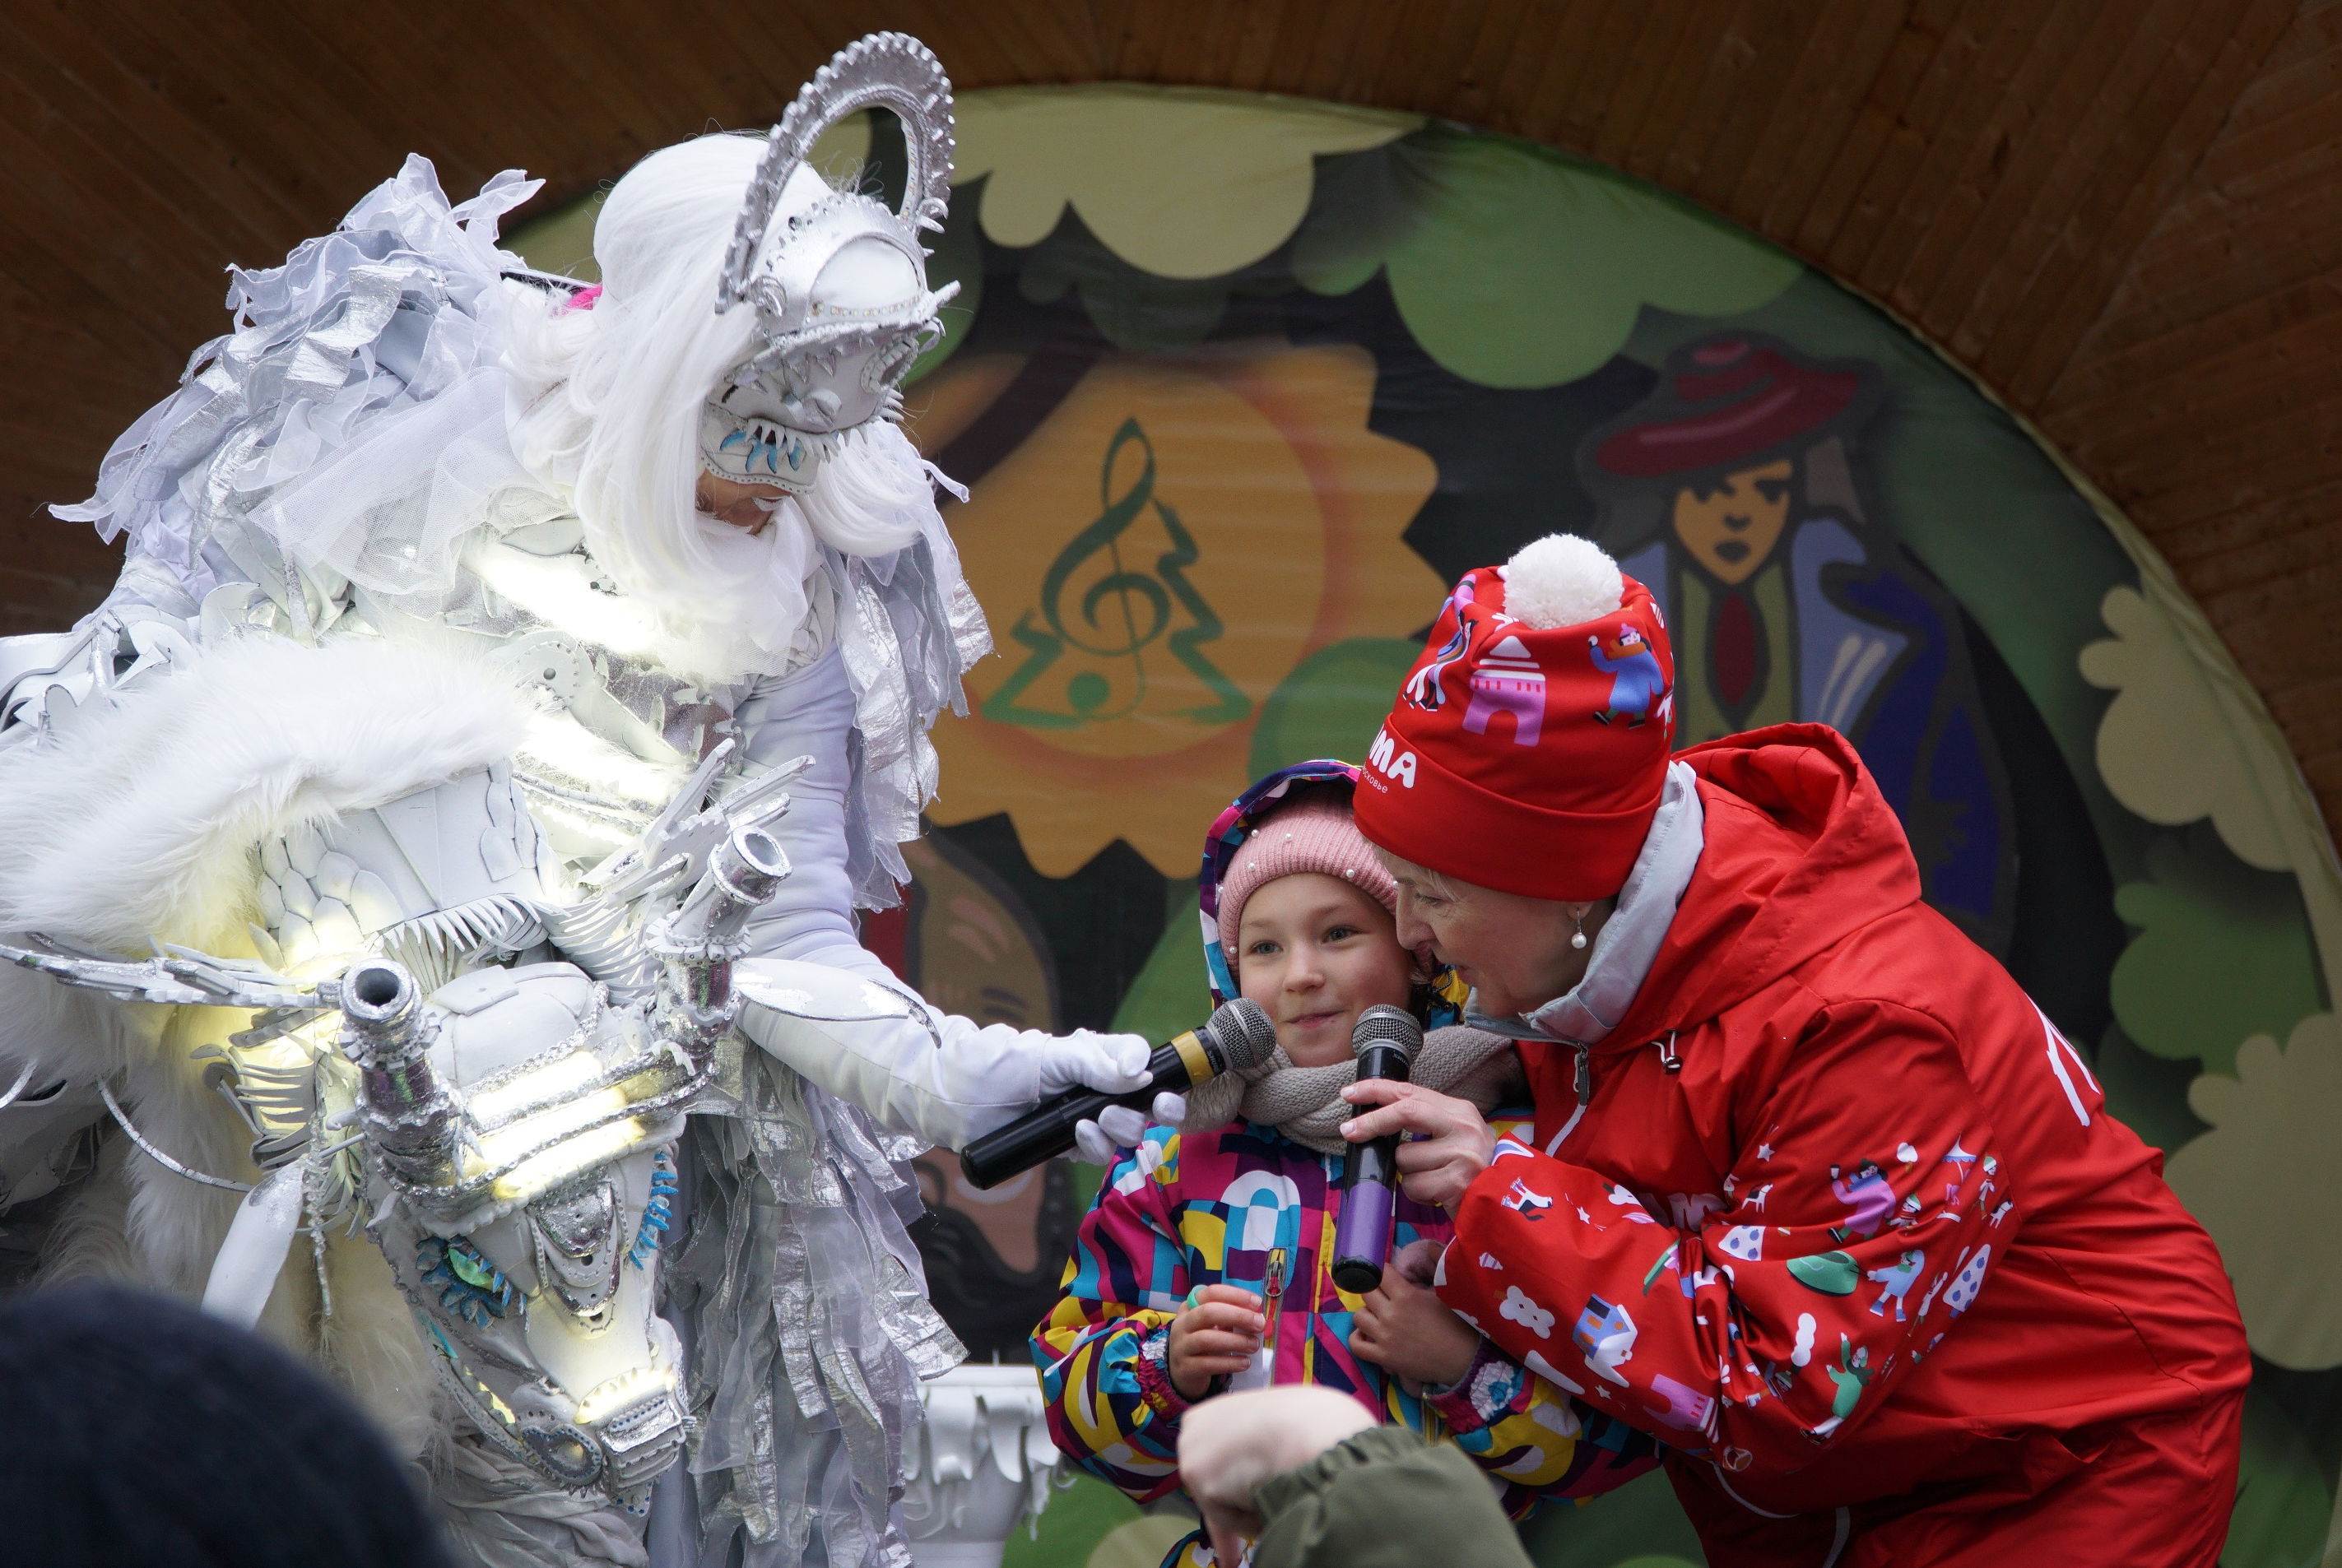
column 942, row 1077
column 1120, row 1128
column 1085, row 1059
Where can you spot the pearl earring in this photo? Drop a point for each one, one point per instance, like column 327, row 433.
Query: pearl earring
column 1577, row 938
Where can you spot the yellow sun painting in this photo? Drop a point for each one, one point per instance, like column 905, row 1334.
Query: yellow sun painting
column 1157, row 555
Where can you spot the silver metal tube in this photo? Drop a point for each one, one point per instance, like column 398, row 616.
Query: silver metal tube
column 410, row 1118
column 697, row 942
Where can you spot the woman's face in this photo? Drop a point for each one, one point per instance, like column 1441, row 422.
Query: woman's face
column 736, row 504
column 1315, row 953
column 1514, row 950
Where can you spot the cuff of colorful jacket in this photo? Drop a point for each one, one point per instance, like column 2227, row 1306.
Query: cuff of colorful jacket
column 1483, row 1396
column 1155, row 1385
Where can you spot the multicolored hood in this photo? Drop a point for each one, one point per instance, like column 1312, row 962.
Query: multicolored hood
column 1237, row 823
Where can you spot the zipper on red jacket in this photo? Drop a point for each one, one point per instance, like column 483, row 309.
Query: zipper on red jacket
column 1585, row 1097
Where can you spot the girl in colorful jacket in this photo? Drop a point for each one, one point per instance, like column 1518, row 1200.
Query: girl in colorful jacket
column 1204, row 1264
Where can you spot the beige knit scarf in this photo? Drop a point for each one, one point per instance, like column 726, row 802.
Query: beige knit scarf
column 1305, row 1104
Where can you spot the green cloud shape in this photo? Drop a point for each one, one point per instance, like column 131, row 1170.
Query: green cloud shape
column 1517, row 266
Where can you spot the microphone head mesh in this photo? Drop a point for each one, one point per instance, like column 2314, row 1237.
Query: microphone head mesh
column 1246, row 1034
column 1394, row 1028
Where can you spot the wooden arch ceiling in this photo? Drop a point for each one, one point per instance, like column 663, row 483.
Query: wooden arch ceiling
column 2124, row 215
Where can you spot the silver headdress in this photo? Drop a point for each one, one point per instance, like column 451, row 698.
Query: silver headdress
column 837, row 281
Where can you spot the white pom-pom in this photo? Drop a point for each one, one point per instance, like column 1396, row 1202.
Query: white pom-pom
column 1561, row 580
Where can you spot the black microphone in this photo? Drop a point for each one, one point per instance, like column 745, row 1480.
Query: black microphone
column 1385, row 1040
column 1238, row 1035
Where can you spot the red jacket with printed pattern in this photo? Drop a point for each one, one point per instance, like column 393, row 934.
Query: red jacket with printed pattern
column 1843, row 1217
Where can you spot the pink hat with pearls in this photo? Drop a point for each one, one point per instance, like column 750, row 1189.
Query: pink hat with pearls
column 1307, row 835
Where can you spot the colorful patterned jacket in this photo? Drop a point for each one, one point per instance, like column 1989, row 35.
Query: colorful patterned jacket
column 1246, row 1207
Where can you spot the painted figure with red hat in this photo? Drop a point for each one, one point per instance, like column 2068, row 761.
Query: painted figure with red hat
column 1735, row 490
column 1817, row 1196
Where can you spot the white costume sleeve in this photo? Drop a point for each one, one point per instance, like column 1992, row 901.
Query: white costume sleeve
column 945, row 1079
column 811, row 918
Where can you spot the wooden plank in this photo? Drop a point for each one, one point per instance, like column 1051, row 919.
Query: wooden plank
column 2239, row 540
column 1495, row 37
column 1256, row 51
column 1546, row 106
column 2011, row 147
column 2288, row 628
column 1842, row 58
column 2073, row 148
column 2266, row 252
column 1937, row 94
column 1942, row 190
column 1326, row 62
column 2226, row 394
column 144, row 258
column 1613, row 41
column 1446, row 83
column 1512, row 57
column 2298, row 74
column 1665, row 30
column 1401, row 74
column 1049, row 40
column 2290, row 451
column 51, row 247
column 116, row 108
column 2110, row 389
column 1917, row 43
column 2042, row 339
column 1695, row 101
column 1776, row 34
column 2225, row 554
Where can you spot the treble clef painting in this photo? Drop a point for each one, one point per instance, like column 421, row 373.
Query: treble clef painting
column 1122, row 605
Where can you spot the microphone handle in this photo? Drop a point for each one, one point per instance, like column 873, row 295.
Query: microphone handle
column 1048, row 1131
column 1370, row 1188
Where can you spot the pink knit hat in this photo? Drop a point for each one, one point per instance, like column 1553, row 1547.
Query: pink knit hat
column 1307, row 835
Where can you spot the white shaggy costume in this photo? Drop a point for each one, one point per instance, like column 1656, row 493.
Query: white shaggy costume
column 423, row 658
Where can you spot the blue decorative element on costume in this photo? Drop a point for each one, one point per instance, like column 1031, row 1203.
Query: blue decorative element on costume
column 470, row 1287
column 658, row 1215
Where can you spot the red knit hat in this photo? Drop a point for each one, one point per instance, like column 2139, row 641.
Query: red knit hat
column 1527, row 750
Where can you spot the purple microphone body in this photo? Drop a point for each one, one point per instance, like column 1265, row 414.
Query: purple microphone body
column 1385, row 1040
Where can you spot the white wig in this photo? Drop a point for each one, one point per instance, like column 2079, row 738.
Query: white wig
column 607, row 405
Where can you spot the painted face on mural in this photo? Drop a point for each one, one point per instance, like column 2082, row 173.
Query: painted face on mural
column 1731, row 524
column 1315, row 953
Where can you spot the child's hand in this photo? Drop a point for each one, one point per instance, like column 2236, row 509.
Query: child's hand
column 1217, row 1337
column 1406, row 1329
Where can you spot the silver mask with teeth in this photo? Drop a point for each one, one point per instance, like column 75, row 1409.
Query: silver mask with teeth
column 838, row 282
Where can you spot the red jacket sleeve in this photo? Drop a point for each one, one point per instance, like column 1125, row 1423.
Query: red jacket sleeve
column 1865, row 1207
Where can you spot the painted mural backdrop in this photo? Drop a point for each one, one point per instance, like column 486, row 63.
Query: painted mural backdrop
column 1241, row 385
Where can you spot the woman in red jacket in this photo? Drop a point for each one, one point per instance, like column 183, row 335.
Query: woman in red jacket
column 1829, row 1205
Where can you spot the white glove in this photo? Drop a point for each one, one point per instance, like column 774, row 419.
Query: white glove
column 1112, row 1064
column 918, row 1069
column 1120, row 1128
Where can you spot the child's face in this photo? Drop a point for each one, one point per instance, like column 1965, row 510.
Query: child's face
column 1315, row 953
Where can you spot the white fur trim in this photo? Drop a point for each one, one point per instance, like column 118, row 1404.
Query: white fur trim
column 1561, row 580
column 141, row 817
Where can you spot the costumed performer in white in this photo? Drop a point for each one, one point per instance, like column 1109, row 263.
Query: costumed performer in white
column 674, row 512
